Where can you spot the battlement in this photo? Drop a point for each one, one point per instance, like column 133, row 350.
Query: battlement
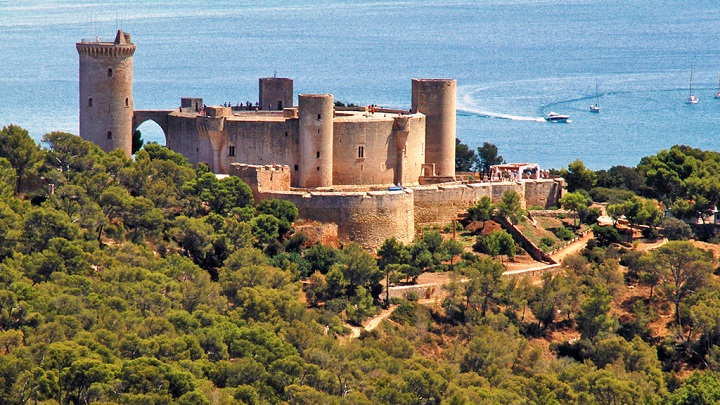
column 105, row 50
column 121, row 47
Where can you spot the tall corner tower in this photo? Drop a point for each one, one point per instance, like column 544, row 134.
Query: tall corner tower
column 276, row 93
column 315, row 113
column 436, row 98
column 106, row 100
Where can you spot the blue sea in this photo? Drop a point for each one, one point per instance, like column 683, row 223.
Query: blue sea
column 514, row 61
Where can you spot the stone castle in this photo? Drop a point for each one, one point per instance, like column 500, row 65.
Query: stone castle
column 375, row 172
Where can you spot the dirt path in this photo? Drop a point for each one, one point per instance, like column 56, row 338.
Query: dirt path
column 440, row 279
column 572, row 248
column 372, row 323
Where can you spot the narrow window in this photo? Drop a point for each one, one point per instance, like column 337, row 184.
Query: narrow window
column 319, row 117
column 127, row 102
column 90, row 102
column 109, row 135
column 279, row 105
column 318, row 168
column 318, row 154
column 361, row 152
column 231, row 151
column 296, row 167
column 109, row 72
column 286, row 133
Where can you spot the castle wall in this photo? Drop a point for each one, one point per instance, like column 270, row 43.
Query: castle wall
column 261, row 143
column 440, row 205
column 498, row 189
column 183, row 137
column 262, row 179
column 543, row 193
column 377, row 162
column 367, row 218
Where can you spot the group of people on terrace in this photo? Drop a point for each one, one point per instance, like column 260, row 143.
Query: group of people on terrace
column 515, row 172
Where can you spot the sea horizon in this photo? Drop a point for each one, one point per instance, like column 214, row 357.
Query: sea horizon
column 509, row 77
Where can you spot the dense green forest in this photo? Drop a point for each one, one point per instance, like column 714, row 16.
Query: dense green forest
column 150, row 281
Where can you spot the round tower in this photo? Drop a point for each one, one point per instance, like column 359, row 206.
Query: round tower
column 436, row 98
column 106, row 101
column 315, row 114
column 276, row 93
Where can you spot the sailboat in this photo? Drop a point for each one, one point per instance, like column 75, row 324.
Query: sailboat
column 596, row 107
column 691, row 99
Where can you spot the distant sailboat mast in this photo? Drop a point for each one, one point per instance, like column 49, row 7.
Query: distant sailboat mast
column 596, row 107
column 691, row 99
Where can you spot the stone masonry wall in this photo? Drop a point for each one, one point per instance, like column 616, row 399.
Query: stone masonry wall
column 439, row 205
column 543, row 193
column 367, row 218
column 370, row 217
column 262, row 179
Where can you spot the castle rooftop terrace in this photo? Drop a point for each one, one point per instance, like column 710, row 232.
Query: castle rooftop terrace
column 343, row 115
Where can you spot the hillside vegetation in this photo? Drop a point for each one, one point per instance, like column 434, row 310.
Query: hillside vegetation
column 149, row 281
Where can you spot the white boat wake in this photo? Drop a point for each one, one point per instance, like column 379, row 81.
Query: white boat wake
column 482, row 113
column 467, row 104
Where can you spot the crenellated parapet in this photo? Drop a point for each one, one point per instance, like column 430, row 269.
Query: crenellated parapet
column 105, row 50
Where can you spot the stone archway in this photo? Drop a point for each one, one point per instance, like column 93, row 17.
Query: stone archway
column 158, row 117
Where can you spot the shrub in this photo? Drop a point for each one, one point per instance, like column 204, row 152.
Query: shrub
column 606, row 235
column 650, row 233
column 610, row 195
column 563, row 233
column 546, row 242
column 675, row 229
column 449, row 227
column 591, row 215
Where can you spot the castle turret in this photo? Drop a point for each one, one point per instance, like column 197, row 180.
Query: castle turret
column 106, row 101
column 276, row 93
column 315, row 113
column 436, row 99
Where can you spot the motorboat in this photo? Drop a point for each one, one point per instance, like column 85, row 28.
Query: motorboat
column 555, row 117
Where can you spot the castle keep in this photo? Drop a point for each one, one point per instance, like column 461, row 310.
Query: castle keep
column 375, row 172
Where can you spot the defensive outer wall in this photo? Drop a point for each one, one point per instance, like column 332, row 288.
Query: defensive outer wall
column 371, row 217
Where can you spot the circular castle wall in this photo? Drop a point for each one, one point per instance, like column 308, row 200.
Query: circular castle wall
column 366, row 218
